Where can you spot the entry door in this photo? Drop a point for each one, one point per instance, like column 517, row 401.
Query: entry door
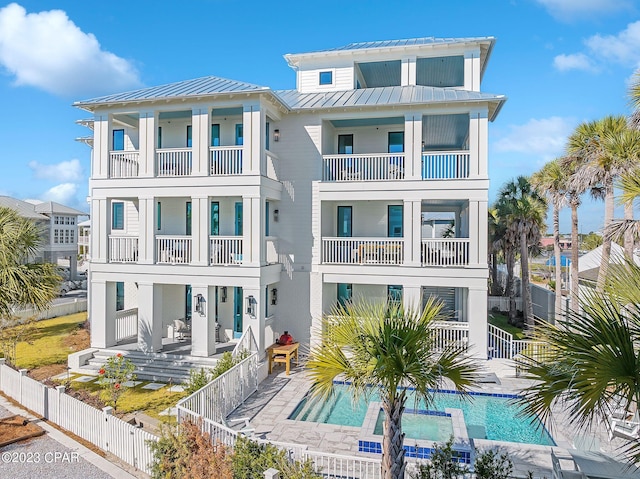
column 238, row 220
column 344, row 221
column 345, row 292
column 237, row 312
column 345, row 144
column 187, row 302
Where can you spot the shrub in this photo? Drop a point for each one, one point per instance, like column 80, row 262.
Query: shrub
column 491, row 465
column 197, row 380
column 113, row 376
column 444, row 464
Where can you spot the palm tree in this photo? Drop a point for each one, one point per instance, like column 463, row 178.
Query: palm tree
column 496, row 234
column 551, row 181
column 506, row 240
column 23, row 283
column 630, row 185
column 593, row 356
column 525, row 212
column 597, row 143
column 383, row 348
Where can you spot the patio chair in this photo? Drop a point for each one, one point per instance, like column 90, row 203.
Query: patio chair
column 629, row 430
column 241, row 425
column 181, row 329
column 560, row 473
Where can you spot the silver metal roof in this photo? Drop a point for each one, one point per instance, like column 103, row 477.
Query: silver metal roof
column 23, row 208
column 51, row 207
column 408, row 42
column 393, row 95
column 210, row 85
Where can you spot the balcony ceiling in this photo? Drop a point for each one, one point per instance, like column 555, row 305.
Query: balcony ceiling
column 367, row 122
column 440, row 71
column 379, row 74
column 445, row 132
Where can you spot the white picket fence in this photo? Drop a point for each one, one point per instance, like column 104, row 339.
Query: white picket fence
column 77, row 306
column 99, row 427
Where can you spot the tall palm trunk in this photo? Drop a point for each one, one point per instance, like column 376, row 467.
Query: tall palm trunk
column 606, row 243
column 628, row 234
column 495, row 286
column 556, row 254
column 393, row 464
column 527, row 306
column 574, row 255
column 510, row 259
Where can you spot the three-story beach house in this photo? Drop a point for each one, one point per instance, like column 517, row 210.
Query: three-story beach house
column 228, row 205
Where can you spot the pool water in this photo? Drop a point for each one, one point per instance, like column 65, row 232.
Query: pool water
column 493, row 417
column 421, row 426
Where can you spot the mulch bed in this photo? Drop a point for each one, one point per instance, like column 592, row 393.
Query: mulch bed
column 17, row 428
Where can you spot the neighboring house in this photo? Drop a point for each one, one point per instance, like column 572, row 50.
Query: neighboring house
column 231, row 204
column 84, row 239
column 547, row 242
column 60, row 229
column 589, row 264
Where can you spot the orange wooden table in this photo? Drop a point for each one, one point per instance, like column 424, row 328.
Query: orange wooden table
column 282, row 353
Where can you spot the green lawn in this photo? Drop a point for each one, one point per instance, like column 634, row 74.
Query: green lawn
column 502, row 322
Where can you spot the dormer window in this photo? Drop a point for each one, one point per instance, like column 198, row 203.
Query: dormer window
column 326, row 78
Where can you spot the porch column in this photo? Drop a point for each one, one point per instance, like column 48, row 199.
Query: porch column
column 474, row 230
column 149, row 317
column 200, row 231
column 408, row 71
column 147, row 218
column 200, row 140
column 413, row 146
column 316, row 301
column 472, row 70
column 102, row 304
column 101, row 146
column 412, row 297
column 483, row 233
column 203, row 325
column 477, row 317
column 478, row 143
column 255, row 317
column 100, row 228
column 412, row 232
column 252, row 226
column 147, row 143
column 253, row 141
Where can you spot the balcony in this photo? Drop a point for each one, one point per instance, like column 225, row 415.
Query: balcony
column 173, row 249
column 124, row 164
column 381, row 251
column 225, row 250
column 123, row 249
column 445, row 252
column 225, row 160
column 364, row 167
column 173, row 162
column 445, row 165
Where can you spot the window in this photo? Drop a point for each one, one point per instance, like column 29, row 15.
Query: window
column 394, row 294
column 189, row 136
column 159, row 137
column 345, row 144
column 117, row 216
column 117, row 142
column 55, row 236
column 396, row 141
column 66, row 236
column 266, row 218
column 188, row 298
column 394, row 221
column 67, row 220
column 188, row 217
column 72, row 236
column 119, row 296
column 344, row 221
column 56, row 220
column 215, row 218
column 72, row 221
column 239, row 134
column 159, row 216
column 266, row 135
column 215, row 134
column 345, row 293
column 238, row 221
column 326, row 78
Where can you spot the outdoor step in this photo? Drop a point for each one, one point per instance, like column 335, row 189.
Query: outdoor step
column 163, row 363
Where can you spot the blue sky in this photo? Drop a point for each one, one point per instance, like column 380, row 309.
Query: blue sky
column 560, row 62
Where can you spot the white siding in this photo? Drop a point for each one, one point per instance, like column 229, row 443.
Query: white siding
column 343, row 79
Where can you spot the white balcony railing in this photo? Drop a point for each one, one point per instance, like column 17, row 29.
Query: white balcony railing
column 173, row 161
column 365, row 167
column 225, row 250
column 362, row 250
column 126, row 324
column 445, row 252
column 123, row 164
column 225, row 160
column 84, row 240
column 173, row 249
column 271, row 250
column 445, row 165
column 123, row 249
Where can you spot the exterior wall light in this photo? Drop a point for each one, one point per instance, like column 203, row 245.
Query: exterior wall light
column 274, row 296
column 223, row 294
column 276, row 215
column 276, row 135
column 200, row 304
column 251, row 306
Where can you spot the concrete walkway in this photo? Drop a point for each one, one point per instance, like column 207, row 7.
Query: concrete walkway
column 80, row 462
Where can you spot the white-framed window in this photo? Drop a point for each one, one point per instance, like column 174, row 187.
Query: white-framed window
column 55, row 236
column 67, row 220
column 326, row 77
column 73, row 220
column 72, row 235
column 56, row 220
column 66, row 236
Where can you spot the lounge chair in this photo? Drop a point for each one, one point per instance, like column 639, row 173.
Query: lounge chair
column 241, row 425
column 629, row 430
column 560, row 473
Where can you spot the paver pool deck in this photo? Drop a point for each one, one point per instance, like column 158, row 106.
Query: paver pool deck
column 279, row 394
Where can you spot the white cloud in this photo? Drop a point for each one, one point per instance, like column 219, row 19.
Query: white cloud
column 64, row 171
column 567, row 10
column 576, row 61
column 544, row 137
column 48, row 51
column 623, row 48
column 64, row 193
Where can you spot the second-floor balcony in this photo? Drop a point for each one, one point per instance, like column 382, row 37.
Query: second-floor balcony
column 225, row 250
column 445, row 252
column 383, row 251
column 123, row 249
column 175, row 249
column 173, row 162
column 225, row 160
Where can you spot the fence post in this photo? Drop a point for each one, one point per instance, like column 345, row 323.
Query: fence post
column 60, row 390
column 2, row 365
column 107, row 412
column 23, row 373
column 271, row 473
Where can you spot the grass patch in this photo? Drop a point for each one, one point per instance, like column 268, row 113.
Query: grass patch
column 52, row 341
column 501, row 321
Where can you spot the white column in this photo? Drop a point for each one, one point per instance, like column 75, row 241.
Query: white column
column 478, row 143
column 147, row 219
column 101, row 146
column 477, row 317
column 149, row 317
column 413, row 146
column 102, row 302
column 412, row 232
column 100, row 229
column 252, row 229
column 412, row 297
column 474, row 238
column 253, row 140
column 483, row 233
column 408, row 71
column 200, row 140
column 256, row 321
column 472, row 70
column 316, row 301
column 203, row 326
column 199, row 231
column 316, row 226
column 147, row 143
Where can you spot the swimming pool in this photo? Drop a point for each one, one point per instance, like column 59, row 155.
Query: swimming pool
column 487, row 416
